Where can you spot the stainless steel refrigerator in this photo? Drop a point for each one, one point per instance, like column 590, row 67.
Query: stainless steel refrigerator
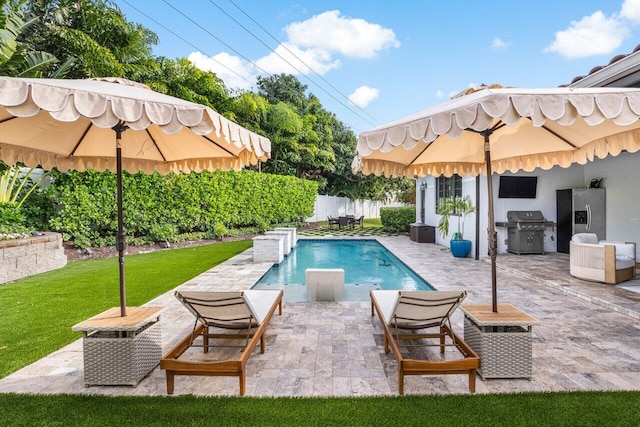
column 580, row 210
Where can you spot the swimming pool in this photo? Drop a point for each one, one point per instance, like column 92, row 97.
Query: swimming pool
column 367, row 265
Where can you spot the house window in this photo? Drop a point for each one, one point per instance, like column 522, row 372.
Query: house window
column 448, row 187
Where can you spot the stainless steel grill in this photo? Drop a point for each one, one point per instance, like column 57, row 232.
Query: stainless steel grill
column 525, row 232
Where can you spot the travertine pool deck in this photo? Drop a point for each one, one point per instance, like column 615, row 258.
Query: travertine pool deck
column 587, row 338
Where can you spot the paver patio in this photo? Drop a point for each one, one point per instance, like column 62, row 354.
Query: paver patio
column 587, row 338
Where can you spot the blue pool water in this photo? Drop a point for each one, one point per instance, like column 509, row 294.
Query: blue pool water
column 367, row 265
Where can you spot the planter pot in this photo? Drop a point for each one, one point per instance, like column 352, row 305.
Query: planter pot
column 460, row 248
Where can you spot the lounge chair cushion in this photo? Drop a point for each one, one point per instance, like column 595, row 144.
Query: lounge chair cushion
column 260, row 302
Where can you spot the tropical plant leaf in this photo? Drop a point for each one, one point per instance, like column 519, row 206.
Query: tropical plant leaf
column 34, row 63
column 8, row 45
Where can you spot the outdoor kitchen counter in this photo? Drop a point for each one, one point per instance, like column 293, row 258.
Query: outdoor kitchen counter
column 502, row 339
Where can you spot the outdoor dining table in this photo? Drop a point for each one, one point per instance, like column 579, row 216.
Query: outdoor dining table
column 347, row 221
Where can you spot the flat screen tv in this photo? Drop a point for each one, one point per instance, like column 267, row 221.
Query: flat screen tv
column 517, row 187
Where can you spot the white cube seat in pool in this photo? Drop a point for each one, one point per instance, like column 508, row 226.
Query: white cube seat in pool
column 324, row 284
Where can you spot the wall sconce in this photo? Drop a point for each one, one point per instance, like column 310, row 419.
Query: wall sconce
column 423, row 185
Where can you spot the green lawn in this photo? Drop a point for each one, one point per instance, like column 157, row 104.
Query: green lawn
column 37, row 313
column 36, row 318
column 527, row 409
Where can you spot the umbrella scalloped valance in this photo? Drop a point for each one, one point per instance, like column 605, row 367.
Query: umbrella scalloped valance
column 607, row 118
column 95, row 106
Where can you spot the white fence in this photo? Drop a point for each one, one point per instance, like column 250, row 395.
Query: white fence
column 326, row 206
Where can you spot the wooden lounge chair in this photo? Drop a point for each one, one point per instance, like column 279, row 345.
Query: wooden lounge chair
column 405, row 316
column 247, row 313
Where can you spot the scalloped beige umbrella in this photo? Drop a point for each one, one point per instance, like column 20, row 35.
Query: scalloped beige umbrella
column 116, row 124
column 499, row 129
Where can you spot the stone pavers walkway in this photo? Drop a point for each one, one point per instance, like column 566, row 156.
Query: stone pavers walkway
column 587, row 338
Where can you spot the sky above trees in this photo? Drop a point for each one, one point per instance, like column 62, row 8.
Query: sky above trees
column 372, row 62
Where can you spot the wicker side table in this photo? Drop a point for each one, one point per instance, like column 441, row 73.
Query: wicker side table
column 121, row 350
column 502, row 339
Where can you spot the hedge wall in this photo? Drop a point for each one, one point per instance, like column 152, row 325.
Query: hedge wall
column 159, row 207
column 398, row 219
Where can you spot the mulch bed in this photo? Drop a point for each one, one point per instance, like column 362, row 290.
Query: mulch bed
column 77, row 254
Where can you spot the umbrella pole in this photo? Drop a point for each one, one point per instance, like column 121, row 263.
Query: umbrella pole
column 120, row 237
column 493, row 238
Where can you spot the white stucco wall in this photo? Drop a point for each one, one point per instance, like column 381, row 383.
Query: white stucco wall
column 431, row 218
column 622, row 183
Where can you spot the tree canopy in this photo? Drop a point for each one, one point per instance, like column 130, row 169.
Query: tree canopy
column 93, row 38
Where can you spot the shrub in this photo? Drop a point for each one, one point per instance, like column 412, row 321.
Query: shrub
column 37, row 210
column 162, row 208
column 10, row 215
column 219, row 230
column 164, row 233
column 398, row 219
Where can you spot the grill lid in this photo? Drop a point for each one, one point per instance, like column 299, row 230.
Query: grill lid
column 524, row 216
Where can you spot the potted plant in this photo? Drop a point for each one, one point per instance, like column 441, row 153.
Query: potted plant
column 460, row 207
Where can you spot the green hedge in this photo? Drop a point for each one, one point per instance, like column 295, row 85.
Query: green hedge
column 158, row 208
column 398, row 219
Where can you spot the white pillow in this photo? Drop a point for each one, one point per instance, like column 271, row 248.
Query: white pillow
column 585, row 238
column 622, row 249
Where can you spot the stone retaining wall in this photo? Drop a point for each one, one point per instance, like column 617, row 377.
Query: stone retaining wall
column 25, row 257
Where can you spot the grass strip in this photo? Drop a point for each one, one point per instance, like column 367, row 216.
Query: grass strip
column 37, row 313
column 525, row 409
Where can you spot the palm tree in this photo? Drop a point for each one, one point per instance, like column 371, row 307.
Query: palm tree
column 456, row 206
column 17, row 58
column 93, row 32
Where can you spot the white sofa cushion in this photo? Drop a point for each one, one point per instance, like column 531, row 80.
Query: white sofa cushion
column 624, row 262
column 622, row 249
column 585, row 238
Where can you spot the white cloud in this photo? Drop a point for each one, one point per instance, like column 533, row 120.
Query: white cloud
column 363, row 96
column 631, row 10
column 243, row 75
column 592, row 35
column 499, row 44
column 439, row 94
column 334, row 33
column 317, row 59
column 317, row 42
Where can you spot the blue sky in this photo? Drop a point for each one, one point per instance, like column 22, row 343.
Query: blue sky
column 371, row 62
